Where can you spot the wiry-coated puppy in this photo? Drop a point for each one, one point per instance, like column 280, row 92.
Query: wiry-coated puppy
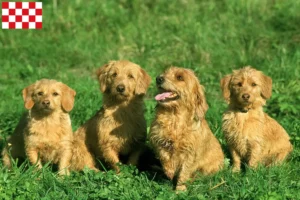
column 179, row 133
column 252, row 136
column 44, row 134
column 119, row 127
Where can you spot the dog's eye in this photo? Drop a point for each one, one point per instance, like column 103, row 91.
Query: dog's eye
column 254, row 84
column 130, row 76
column 55, row 94
column 114, row 74
column 179, row 78
column 40, row 93
column 240, row 84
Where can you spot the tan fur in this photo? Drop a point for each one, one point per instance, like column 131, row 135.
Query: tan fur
column 179, row 133
column 81, row 156
column 119, row 127
column 252, row 136
column 44, row 133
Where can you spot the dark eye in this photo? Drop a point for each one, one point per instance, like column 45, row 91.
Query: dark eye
column 240, row 84
column 254, row 84
column 114, row 74
column 179, row 78
column 40, row 93
column 130, row 76
column 55, row 94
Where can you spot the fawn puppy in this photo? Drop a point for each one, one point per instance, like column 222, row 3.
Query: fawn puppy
column 252, row 136
column 44, row 133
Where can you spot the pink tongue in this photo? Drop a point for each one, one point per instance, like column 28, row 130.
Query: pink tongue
column 162, row 96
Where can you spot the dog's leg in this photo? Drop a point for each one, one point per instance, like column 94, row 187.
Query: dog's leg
column 255, row 155
column 6, row 158
column 281, row 156
column 112, row 158
column 185, row 173
column 169, row 169
column 168, row 164
column 236, row 160
column 33, row 157
column 135, row 155
column 65, row 162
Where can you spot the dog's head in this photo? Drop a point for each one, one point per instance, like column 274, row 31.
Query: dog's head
column 123, row 80
column 246, row 88
column 179, row 87
column 47, row 96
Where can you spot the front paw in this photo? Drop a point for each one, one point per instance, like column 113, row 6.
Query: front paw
column 180, row 188
column 64, row 172
column 116, row 168
column 169, row 174
column 236, row 169
column 253, row 164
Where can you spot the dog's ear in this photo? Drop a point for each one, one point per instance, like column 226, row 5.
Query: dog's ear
column 266, row 86
column 67, row 97
column 225, row 87
column 102, row 73
column 27, row 96
column 143, row 82
column 200, row 101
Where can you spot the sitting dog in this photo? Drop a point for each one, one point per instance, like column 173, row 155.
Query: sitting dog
column 252, row 136
column 179, row 134
column 119, row 128
column 44, row 133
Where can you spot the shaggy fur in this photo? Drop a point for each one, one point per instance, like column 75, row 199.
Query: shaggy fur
column 179, row 133
column 81, row 156
column 119, row 127
column 252, row 136
column 44, row 134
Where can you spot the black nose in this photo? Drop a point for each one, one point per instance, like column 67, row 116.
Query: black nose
column 46, row 102
column 160, row 80
column 121, row 88
column 245, row 96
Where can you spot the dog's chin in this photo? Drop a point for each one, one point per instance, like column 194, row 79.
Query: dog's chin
column 122, row 96
column 45, row 109
column 243, row 102
column 244, row 106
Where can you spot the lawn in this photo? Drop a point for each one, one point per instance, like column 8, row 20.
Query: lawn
column 212, row 37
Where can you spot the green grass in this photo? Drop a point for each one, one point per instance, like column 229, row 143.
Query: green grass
column 211, row 37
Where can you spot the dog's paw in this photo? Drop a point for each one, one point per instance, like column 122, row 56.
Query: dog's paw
column 180, row 188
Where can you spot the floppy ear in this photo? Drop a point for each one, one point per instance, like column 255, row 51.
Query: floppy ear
column 200, row 101
column 225, row 87
column 67, row 97
column 143, row 82
column 27, row 96
column 102, row 75
column 266, row 86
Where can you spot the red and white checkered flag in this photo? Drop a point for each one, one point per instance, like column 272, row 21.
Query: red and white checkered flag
column 22, row 15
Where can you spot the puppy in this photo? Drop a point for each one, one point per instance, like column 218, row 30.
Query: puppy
column 179, row 134
column 44, row 133
column 119, row 128
column 252, row 136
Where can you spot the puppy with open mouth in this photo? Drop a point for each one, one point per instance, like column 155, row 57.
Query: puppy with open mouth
column 179, row 134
